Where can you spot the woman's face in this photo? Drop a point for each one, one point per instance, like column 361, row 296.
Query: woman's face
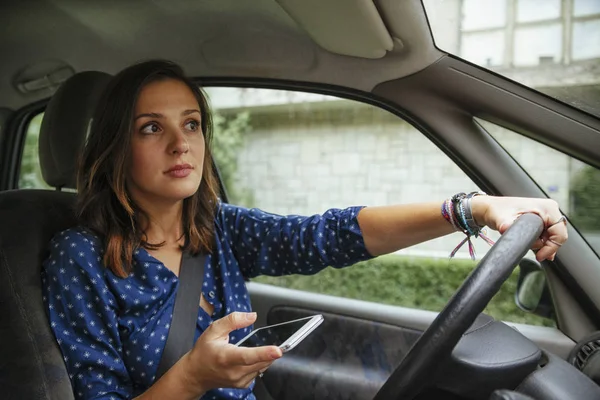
column 167, row 144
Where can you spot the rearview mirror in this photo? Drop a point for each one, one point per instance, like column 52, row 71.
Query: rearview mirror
column 533, row 294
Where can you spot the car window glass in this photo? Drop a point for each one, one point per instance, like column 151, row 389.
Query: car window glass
column 575, row 185
column 300, row 153
column 30, row 175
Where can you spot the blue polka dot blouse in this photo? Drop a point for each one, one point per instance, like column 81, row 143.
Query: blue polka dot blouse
column 112, row 330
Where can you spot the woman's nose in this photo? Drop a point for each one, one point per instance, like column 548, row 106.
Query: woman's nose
column 179, row 144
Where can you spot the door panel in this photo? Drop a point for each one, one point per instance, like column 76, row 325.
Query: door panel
column 356, row 348
column 346, row 357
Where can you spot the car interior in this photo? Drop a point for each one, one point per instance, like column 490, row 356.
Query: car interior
column 59, row 56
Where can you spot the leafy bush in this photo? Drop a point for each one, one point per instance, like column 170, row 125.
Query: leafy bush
column 416, row 282
column 585, row 192
column 228, row 141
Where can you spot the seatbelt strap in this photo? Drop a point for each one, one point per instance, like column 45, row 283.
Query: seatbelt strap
column 185, row 311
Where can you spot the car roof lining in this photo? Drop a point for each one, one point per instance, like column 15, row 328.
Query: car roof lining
column 347, row 27
column 213, row 38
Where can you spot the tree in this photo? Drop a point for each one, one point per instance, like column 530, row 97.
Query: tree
column 228, row 140
column 585, row 203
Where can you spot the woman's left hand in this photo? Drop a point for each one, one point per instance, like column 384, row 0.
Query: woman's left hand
column 499, row 213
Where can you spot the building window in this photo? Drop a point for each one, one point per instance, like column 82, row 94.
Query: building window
column 537, row 44
column 586, row 29
column 487, row 14
column 483, row 27
column 582, row 8
column 484, row 48
column 538, row 33
column 528, row 33
column 586, row 39
column 537, row 10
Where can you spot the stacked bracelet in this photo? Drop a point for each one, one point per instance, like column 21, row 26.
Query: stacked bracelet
column 459, row 213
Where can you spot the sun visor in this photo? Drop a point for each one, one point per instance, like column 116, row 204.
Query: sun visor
column 347, row 27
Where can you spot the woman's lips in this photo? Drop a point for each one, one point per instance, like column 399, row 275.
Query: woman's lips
column 180, row 171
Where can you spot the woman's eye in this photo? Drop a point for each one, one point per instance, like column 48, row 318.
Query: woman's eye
column 192, row 125
column 150, row 129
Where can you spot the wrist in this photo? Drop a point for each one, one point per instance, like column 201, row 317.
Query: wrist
column 191, row 383
column 479, row 206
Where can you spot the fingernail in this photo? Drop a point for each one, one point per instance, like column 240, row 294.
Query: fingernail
column 251, row 316
column 275, row 354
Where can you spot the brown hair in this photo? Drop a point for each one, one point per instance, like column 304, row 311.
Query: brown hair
column 103, row 203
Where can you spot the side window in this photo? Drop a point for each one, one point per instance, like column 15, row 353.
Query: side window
column 300, row 153
column 572, row 183
column 30, row 176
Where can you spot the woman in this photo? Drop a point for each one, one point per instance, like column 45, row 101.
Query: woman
column 147, row 192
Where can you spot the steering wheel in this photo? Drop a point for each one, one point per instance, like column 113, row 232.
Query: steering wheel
column 435, row 346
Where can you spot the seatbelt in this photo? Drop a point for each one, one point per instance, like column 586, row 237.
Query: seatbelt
column 185, row 311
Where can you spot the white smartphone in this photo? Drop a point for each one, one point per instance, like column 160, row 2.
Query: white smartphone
column 286, row 335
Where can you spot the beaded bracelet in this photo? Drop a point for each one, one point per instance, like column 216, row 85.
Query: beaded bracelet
column 459, row 213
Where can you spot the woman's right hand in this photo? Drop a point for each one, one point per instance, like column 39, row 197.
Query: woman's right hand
column 215, row 363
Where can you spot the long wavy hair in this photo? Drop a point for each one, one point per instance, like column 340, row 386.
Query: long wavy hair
column 104, row 205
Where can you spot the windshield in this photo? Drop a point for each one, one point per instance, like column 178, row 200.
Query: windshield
column 552, row 46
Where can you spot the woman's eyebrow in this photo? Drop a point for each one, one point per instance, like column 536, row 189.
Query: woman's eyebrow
column 158, row 115
column 188, row 112
column 149, row 115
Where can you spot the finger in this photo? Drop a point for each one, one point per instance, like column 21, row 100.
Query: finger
column 503, row 227
column 547, row 252
column 562, row 219
column 557, row 233
column 507, row 223
column 544, row 254
column 554, row 237
column 231, row 322
column 256, row 355
column 538, row 244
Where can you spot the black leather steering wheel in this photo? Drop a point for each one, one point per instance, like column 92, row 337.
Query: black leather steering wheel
column 418, row 368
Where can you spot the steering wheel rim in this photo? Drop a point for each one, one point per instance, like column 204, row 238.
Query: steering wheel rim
column 418, row 368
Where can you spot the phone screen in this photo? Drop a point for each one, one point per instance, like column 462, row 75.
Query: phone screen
column 273, row 335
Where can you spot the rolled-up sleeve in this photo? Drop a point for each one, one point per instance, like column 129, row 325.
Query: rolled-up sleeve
column 82, row 314
column 270, row 244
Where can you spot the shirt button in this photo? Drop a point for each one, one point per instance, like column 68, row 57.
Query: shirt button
column 211, row 294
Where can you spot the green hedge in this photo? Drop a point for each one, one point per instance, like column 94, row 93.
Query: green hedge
column 415, row 282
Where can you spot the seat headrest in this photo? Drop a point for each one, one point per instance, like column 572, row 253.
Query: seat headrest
column 65, row 126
